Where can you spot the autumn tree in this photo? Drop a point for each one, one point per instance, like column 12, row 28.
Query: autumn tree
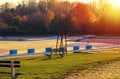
column 36, row 23
column 82, row 16
column 5, row 7
column 109, row 21
column 7, row 17
column 60, row 23
column 49, row 16
column 3, row 26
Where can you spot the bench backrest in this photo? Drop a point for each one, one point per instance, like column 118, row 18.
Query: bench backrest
column 9, row 63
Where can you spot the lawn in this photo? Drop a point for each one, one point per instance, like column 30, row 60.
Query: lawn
column 39, row 67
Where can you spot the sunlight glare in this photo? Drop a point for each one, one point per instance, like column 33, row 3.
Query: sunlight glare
column 84, row 1
column 115, row 3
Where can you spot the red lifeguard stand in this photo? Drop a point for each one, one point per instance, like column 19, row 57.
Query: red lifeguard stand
column 61, row 44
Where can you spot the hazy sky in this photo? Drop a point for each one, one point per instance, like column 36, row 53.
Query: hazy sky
column 14, row 1
column 113, row 2
column 19, row 1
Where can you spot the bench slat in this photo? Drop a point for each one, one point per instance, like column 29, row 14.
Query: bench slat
column 2, row 65
column 16, row 62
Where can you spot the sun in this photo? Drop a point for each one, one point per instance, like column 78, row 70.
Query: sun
column 115, row 3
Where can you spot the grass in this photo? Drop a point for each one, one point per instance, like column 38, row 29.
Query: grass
column 38, row 67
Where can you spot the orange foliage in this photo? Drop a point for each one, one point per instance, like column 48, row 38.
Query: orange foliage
column 3, row 25
column 109, row 22
column 82, row 14
column 24, row 18
column 49, row 16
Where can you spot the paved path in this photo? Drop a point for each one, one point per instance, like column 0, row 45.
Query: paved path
column 107, row 71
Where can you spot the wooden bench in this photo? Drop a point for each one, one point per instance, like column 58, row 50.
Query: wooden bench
column 49, row 55
column 10, row 64
column 59, row 51
column 48, row 52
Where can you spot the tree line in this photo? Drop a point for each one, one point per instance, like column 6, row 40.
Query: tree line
column 52, row 17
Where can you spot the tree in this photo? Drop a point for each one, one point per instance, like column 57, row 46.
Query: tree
column 36, row 23
column 5, row 7
column 49, row 16
column 3, row 26
column 109, row 21
column 7, row 17
column 82, row 16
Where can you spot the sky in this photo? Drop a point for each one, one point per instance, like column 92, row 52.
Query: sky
column 14, row 1
column 19, row 1
column 115, row 3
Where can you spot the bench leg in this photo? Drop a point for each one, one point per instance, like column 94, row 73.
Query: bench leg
column 12, row 70
column 50, row 56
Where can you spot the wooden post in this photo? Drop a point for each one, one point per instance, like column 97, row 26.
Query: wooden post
column 50, row 56
column 57, row 44
column 66, row 43
column 62, row 43
column 12, row 70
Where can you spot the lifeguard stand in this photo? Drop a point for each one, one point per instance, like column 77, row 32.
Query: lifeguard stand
column 61, row 44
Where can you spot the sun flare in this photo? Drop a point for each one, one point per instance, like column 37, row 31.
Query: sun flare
column 115, row 3
column 84, row 1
